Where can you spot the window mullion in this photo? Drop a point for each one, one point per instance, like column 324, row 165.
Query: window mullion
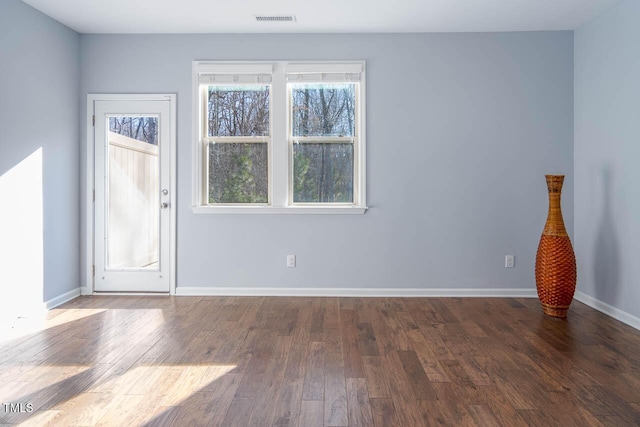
column 324, row 139
column 280, row 148
column 237, row 139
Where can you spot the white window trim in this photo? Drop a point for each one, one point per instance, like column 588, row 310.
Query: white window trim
column 279, row 153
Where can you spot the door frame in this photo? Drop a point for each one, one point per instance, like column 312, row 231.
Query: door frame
column 89, row 255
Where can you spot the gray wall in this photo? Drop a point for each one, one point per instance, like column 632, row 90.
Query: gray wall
column 39, row 108
column 607, row 153
column 461, row 130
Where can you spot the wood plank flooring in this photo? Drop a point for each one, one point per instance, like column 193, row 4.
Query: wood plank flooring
column 276, row 361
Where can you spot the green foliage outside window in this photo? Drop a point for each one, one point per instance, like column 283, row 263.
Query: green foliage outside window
column 238, row 173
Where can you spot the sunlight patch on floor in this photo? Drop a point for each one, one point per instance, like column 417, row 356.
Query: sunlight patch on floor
column 38, row 322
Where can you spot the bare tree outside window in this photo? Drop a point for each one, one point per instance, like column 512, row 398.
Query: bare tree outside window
column 143, row 129
column 239, row 110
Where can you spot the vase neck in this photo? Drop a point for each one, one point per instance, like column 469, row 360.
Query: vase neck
column 555, row 223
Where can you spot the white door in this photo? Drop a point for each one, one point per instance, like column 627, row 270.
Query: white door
column 133, row 195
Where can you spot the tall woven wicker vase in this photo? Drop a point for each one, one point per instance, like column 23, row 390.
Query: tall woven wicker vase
column 555, row 261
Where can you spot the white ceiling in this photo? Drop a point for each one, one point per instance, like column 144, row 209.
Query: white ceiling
column 320, row 16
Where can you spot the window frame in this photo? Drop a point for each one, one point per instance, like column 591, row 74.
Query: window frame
column 280, row 146
column 354, row 140
column 205, row 140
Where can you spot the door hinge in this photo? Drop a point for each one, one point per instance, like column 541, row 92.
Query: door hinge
column 94, row 120
column 93, row 271
column 94, row 195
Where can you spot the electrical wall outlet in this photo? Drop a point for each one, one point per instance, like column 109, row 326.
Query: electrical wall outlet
column 291, row 261
column 509, row 261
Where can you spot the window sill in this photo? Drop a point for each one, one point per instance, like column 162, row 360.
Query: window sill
column 270, row 210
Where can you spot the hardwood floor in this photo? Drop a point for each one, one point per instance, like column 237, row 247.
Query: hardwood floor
column 254, row 361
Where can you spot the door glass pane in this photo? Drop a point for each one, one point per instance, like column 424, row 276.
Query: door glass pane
column 133, row 193
column 238, row 173
column 323, row 173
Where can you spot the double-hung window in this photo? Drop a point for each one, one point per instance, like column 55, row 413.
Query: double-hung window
column 279, row 137
column 236, row 135
column 323, row 135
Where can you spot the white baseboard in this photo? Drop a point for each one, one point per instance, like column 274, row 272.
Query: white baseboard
column 61, row 299
column 354, row 292
column 86, row 290
column 131, row 294
column 609, row 310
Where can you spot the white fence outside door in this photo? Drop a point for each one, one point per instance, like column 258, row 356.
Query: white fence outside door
column 134, row 184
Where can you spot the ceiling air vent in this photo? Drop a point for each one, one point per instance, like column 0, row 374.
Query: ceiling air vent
column 275, row 18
